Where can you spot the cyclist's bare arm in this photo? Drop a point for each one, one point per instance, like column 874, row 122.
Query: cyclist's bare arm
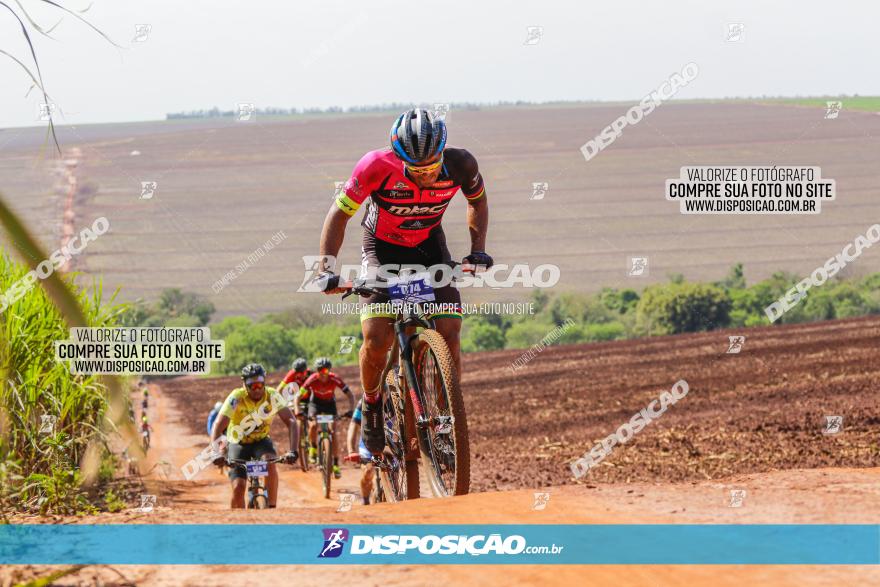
column 351, row 402
column 332, row 235
column 478, row 223
column 293, row 430
column 220, row 425
column 351, row 439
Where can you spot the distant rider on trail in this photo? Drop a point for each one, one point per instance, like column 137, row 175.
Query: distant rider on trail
column 248, row 412
column 321, row 388
column 299, row 372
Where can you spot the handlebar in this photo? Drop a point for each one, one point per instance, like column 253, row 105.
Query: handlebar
column 337, row 417
column 358, row 286
column 242, row 462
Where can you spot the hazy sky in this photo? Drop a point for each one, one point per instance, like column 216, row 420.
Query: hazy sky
column 202, row 53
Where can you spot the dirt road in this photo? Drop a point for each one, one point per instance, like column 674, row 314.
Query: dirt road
column 794, row 496
column 752, row 421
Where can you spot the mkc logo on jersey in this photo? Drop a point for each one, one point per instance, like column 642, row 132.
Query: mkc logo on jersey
column 334, row 541
column 416, row 209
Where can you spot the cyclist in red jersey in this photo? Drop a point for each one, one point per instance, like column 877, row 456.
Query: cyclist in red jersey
column 299, row 372
column 408, row 188
column 321, row 388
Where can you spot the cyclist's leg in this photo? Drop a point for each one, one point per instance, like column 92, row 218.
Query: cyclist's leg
column 378, row 338
column 378, row 331
column 239, row 487
column 237, row 475
column 313, row 428
column 366, row 482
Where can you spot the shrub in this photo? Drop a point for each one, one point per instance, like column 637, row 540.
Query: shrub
column 269, row 344
column 482, row 336
column 524, row 334
column 326, row 340
column 683, row 307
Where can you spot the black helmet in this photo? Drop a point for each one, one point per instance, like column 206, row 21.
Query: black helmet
column 253, row 370
column 300, row 365
column 323, row 363
column 417, row 135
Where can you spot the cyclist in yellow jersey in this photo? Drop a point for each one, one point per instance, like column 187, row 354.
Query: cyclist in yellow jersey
column 246, row 416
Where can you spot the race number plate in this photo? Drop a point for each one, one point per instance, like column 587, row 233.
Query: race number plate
column 257, row 468
column 411, row 289
column 324, row 418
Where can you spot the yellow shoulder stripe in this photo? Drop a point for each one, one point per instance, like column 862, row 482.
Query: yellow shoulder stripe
column 346, row 204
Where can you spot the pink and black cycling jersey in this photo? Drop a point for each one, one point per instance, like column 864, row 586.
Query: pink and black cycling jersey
column 398, row 210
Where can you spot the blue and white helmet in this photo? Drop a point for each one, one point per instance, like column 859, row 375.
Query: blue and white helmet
column 417, row 136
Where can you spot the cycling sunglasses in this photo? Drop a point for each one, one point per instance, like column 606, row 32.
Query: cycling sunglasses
column 255, row 382
column 424, row 169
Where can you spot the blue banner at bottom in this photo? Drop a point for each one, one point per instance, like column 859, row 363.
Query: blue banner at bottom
column 222, row 544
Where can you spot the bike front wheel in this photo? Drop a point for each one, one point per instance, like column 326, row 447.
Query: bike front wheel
column 259, row 501
column 326, row 465
column 404, row 473
column 304, row 449
column 443, row 439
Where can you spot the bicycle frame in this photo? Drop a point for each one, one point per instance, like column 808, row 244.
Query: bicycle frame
column 325, row 430
column 402, row 353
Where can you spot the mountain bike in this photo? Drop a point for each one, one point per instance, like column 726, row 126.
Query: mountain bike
column 145, row 438
column 325, row 450
column 257, row 496
column 429, row 420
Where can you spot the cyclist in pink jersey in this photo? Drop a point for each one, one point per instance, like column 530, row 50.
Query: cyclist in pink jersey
column 407, row 189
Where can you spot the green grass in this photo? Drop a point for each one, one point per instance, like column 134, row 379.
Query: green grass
column 40, row 470
column 861, row 103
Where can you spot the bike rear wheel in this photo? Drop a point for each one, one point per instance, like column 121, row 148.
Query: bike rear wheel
column 444, row 441
column 326, row 465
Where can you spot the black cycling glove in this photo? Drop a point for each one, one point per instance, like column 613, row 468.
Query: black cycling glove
column 479, row 258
